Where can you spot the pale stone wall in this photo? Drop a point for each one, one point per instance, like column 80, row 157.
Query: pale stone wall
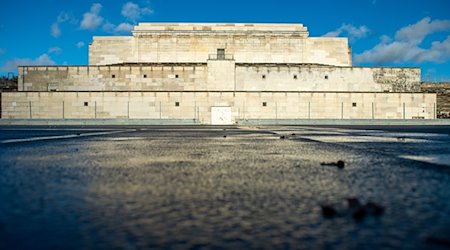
column 248, row 43
column 197, row 105
column 328, row 50
column 219, row 75
column 325, row 78
column 109, row 78
column 108, row 50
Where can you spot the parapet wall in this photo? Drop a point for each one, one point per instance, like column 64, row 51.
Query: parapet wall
column 113, row 78
column 218, row 75
column 326, row 78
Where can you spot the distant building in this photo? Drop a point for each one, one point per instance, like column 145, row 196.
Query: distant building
column 218, row 74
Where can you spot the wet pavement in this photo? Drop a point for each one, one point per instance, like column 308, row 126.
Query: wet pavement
column 203, row 187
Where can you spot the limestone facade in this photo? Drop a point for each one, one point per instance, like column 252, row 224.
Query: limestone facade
column 218, row 73
column 246, row 43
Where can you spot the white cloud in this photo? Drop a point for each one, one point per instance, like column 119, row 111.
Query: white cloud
column 55, row 29
column 123, row 27
column 80, row 44
column 54, row 50
column 134, row 12
column 92, row 19
column 352, row 31
column 418, row 31
column 11, row 64
column 117, row 29
column 108, row 27
column 439, row 52
column 406, row 45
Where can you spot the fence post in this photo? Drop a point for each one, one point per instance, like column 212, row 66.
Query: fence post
column 434, row 111
column 404, row 115
column 309, row 110
column 276, row 112
column 373, row 113
column 198, row 114
column 128, row 110
column 29, row 108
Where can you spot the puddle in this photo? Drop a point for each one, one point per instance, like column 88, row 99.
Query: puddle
column 441, row 159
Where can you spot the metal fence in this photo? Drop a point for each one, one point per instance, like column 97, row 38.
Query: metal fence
column 221, row 57
column 202, row 114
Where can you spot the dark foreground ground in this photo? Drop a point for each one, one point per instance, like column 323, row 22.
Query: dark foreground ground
column 224, row 188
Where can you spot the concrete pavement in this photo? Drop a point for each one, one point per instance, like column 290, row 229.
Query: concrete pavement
column 222, row 187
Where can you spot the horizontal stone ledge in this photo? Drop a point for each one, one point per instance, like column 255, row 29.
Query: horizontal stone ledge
column 50, row 122
column 403, row 122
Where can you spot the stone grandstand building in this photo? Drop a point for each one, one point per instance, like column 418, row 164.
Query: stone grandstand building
column 218, row 74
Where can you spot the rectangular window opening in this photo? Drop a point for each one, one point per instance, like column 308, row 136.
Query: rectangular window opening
column 86, row 104
column 354, row 104
column 113, row 76
column 295, row 76
column 220, row 54
column 264, row 104
column 145, row 76
column 326, row 77
column 263, row 76
column 177, row 104
column 176, row 76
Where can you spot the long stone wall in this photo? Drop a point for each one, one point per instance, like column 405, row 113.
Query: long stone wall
column 326, row 78
column 218, row 75
column 113, row 78
column 198, row 105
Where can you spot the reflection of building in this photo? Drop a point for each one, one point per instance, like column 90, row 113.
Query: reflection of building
column 218, row 73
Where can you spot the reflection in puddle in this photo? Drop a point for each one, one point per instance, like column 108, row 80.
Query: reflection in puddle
column 442, row 159
column 124, row 138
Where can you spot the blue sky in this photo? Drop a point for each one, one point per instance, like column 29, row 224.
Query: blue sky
column 381, row 32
